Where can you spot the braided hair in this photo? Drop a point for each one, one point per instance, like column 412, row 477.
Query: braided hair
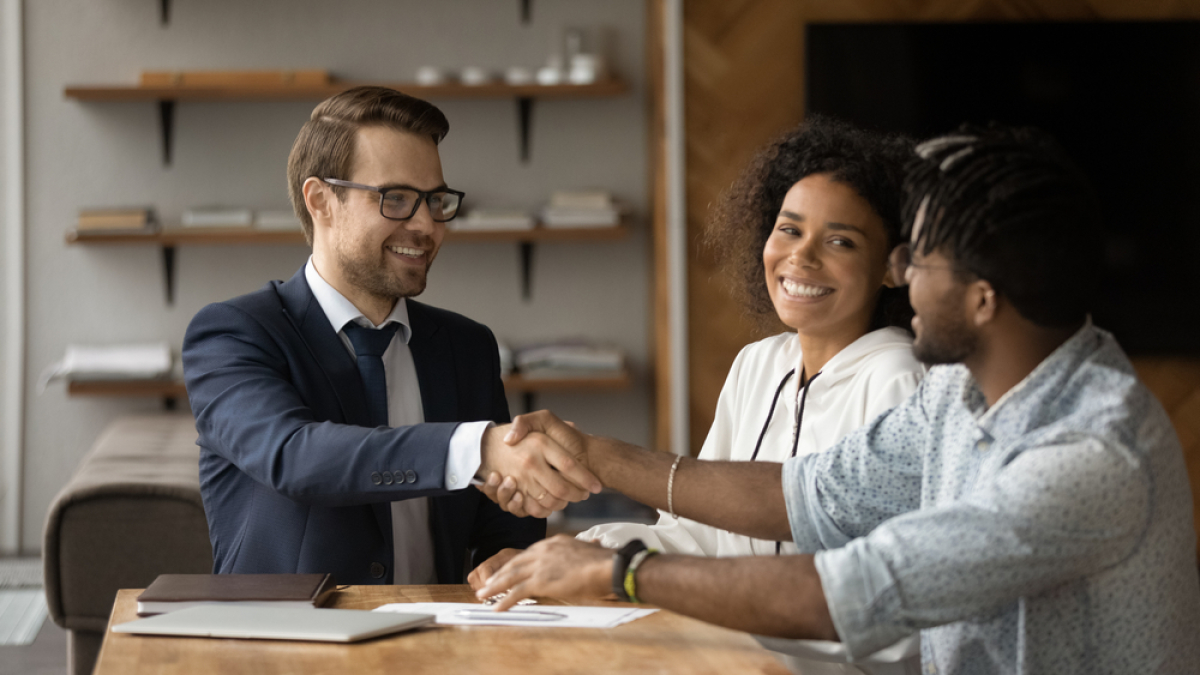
column 1006, row 205
column 870, row 163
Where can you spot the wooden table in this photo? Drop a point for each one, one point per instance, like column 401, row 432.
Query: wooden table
column 663, row 642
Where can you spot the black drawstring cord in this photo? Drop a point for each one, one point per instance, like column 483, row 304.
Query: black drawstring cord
column 799, row 421
column 771, row 414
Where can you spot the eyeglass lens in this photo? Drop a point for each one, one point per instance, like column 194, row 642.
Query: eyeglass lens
column 401, row 203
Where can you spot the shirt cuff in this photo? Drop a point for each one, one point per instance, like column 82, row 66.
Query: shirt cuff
column 463, row 458
column 862, row 598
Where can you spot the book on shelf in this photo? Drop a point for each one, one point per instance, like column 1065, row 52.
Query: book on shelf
column 494, row 219
column 277, row 220
column 170, row 592
column 581, row 208
column 133, row 361
column 235, row 78
column 215, row 216
column 570, row 359
column 560, row 217
column 581, row 199
column 97, row 221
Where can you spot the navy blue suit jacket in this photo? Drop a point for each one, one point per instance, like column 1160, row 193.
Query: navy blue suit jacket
column 292, row 476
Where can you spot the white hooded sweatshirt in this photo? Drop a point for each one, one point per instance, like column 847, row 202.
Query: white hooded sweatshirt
column 871, row 375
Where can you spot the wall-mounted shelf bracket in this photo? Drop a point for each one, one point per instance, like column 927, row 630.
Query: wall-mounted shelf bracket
column 529, row 400
column 526, row 248
column 526, row 11
column 168, row 258
column 525, row 120
column 166, row 120
column 164, row 11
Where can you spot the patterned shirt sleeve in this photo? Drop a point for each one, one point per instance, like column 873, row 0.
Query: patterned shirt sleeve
column 871, row 475
column 1053, row 514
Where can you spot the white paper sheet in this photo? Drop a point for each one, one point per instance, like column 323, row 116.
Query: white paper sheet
column 541, row 616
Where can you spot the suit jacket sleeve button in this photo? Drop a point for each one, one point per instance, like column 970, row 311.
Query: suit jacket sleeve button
column 410, row 476
column 377, row 570
column 376, row 478
column 387, row 478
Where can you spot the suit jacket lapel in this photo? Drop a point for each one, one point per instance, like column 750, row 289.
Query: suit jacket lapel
column 434, row 361
column 305, row 313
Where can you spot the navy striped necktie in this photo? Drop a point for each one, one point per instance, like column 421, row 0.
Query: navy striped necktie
column 369, row 346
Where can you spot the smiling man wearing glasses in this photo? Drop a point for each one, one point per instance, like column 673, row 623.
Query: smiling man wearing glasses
column 341, row 422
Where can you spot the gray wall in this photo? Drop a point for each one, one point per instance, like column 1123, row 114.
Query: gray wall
column 107, row 154
column 9, row 452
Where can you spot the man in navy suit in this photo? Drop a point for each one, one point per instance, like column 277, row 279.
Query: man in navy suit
column 322, row 453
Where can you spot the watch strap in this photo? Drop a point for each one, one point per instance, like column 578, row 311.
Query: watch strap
column 621, row 560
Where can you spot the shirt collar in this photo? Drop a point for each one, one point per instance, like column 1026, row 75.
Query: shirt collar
column 1041, row 384
column 340, row 311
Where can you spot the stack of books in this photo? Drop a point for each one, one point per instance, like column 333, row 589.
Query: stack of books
column 494, row 219
column 137, row 361
column 582, row 208
column 569, row 359
column 216, row 216
column 125, row 221
column 276, row 220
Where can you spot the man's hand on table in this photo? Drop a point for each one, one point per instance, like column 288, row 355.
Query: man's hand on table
column 541, row 476
column 559, row 567
column 480, row 575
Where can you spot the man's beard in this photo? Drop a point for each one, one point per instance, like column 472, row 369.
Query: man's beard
column 380, row 281
column 944, row 341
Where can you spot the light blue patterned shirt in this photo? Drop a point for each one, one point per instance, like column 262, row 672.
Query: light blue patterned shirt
column 1051, row 533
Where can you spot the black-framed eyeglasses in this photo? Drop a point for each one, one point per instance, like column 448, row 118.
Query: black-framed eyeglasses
column 900, row 261
column 401, row 203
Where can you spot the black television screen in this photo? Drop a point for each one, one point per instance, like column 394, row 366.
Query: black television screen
column 1122, row 98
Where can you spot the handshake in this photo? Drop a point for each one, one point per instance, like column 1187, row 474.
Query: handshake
column 536, row 466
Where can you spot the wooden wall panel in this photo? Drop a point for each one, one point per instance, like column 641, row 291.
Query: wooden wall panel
column 657, row 138
column 744, row 84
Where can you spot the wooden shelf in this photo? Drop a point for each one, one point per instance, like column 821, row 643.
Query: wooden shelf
column 213, row 236
column 167, row 97
column 519, row 384
column 175, row 389
column 163, row 388
column 168, row 239
column 610, row 87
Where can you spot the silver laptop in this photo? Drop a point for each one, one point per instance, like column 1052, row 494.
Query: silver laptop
column 275, row 623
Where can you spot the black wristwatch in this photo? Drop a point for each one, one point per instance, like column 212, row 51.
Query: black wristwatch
column 621, row 560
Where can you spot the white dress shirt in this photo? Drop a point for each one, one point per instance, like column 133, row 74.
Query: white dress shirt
column 413, row 561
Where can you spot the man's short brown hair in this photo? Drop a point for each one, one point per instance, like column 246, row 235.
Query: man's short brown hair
column 325, row 146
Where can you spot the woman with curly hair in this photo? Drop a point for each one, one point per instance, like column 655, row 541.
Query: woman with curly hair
column 806, row 232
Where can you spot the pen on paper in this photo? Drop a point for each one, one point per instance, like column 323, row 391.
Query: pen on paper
column 511, row 615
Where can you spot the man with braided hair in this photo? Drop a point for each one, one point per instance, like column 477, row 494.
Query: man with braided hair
column 1027, row 509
